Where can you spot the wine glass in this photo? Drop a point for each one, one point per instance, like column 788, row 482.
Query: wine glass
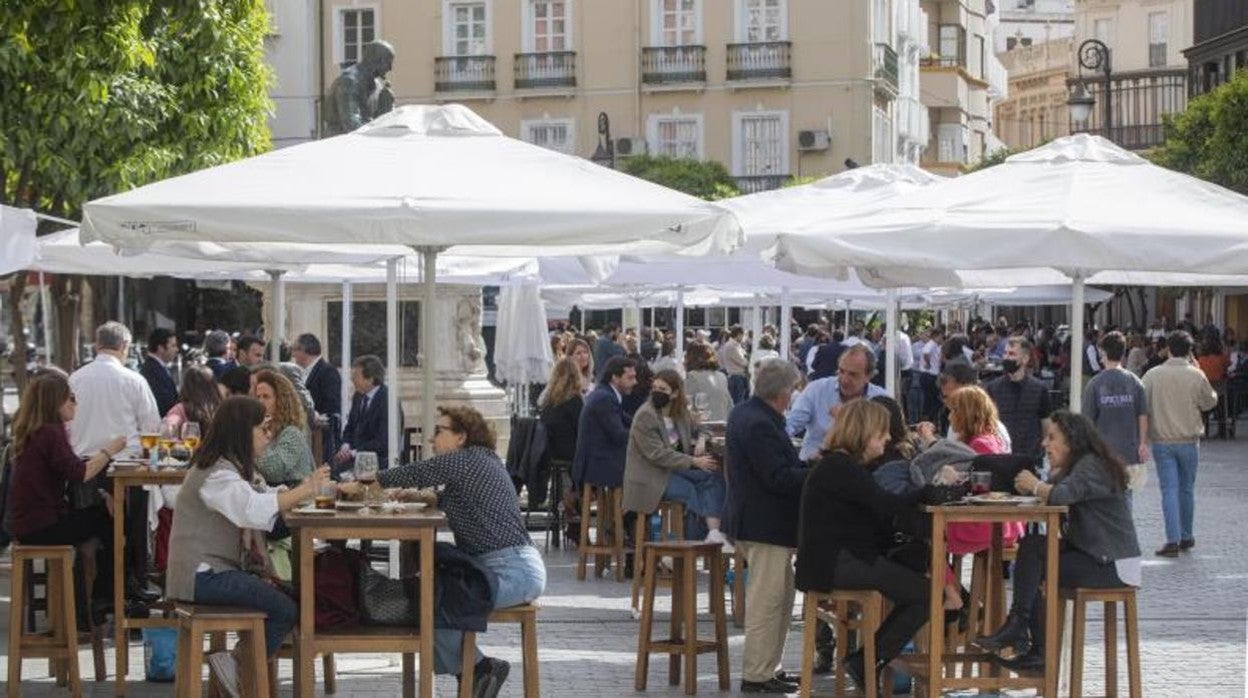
column 190, row 436
column 701, row 404
column 366, row 472
column 168, row 438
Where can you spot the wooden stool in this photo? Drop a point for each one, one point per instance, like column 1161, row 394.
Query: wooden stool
column 197, row 620
column 671, row 527
column 684, row 624
column 609, row 501
column 738, row 589
column 1111, row 598
column 835, row 609
column 60, row 645
column 524, row 614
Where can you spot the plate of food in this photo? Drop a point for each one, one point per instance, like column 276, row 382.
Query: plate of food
column 348, row 505
column 402, row 507
column 311, row 510
column 1002, row 498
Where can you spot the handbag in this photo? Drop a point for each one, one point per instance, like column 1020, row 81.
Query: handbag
column 386, row 601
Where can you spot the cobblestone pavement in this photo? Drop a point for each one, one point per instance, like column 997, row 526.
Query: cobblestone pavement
column 1192, row 620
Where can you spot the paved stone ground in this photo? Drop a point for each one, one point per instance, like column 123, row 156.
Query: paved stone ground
column 1193, row 618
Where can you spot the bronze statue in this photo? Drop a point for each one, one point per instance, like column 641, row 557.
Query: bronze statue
column 361, row 93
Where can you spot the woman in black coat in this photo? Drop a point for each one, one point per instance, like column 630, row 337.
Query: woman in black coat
column 846, row 531
column 561, row 410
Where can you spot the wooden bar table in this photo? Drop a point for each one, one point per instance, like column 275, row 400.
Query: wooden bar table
column 931, row 667
column 420, row 527
column 124, row 476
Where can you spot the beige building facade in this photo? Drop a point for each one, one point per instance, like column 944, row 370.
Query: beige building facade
column 1035, row 110
column 770, row 88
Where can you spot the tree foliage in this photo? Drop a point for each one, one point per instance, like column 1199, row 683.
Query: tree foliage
column 100, row 96
column 704, row 179
column 1209, row 139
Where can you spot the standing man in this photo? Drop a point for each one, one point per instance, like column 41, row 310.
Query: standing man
column 1022, row 399
column 217, row 349
column 602, row 431
column 1178, row 392
column 250, row 351
column 1116, row 403
column 765, row 478
column 162, row 349
column 736, row 365
column 368, row 424
column 323, row 382
column 929, row 371
column 905, row 364
column 114, row 400
column 814, row 411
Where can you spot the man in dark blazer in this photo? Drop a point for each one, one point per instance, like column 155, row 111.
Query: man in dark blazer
column 323, row 382
column 607, row 346
column 162, row 348
column 217, row 349
column 765, row 478
column 369, row 417
column 602, row 433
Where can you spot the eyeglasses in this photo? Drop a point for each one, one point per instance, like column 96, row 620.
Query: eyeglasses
column 438, row 429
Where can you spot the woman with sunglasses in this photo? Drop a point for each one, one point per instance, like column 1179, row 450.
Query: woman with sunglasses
column 483, row 513
column 44, row 464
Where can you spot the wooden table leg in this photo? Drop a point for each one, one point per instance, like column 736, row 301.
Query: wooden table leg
column 1052, row 643
column 121, row 632
column 305, row 666
column 936, row 611
column 994, row 592
column 426, row 612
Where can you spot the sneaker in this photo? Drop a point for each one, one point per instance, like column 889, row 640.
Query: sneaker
column 224, row 668
column 717, row 536
column 488, row 677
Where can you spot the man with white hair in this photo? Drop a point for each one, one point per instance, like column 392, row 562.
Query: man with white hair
column 116, row 401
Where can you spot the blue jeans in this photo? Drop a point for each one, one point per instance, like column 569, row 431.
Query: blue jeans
column 236, row 588
column 1176, row 474
column 739, row 388
column 701, row 492
column 521, row 578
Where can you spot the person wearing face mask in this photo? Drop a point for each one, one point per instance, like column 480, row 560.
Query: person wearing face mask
column 1022, row 399
column 664, row 461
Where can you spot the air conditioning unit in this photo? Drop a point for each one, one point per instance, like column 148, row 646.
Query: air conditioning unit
column 628, row 147
column 813, row 140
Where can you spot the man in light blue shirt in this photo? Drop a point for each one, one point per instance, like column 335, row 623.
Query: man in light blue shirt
column 814, row 411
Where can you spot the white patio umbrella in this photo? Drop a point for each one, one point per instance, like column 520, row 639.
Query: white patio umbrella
column 521, row 341
column 17, row 238
column 431, row 177
column 1080, row 205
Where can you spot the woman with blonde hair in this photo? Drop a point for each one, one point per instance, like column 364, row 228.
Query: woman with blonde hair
column 288, row 459
column 844, row 522
column 578, row 350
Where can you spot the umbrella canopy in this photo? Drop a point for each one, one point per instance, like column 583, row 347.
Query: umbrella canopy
column 1079, row 204
column 1058, row 294
column 521, row 342
column 17, row 238
column 429, row 176
column 63, row 252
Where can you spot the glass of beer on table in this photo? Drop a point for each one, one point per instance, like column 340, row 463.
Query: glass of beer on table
column 190, row 436
column 168, row 438
column 148, row 442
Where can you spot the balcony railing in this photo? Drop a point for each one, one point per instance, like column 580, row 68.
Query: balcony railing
column 667, row 65
column 464, row 74
column 940, row 62
column 763, row 60
column 1141, row 98
column 886, row 70
column 752, row 184
column 541, row 70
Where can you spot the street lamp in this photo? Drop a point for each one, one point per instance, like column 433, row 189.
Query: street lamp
column 1093, row 55
column 605, row 153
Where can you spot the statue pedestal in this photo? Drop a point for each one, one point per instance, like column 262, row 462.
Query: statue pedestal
column 458, row 349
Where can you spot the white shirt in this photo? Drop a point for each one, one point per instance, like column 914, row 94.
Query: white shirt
column 228, row 494
column 931, row 358
column 112, row 401
column 810, row 358
column 905, row 353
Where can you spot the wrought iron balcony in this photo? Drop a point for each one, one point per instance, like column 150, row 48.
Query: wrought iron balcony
column 667, row 65
column 751, row 184
column 544, row 70
column 464, row 74
column 762, row 60
column 886, row 70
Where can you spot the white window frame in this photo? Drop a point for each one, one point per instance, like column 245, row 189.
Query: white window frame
column 1165, row 37
column 340, row 48
column 741, row 24
column 448, row 25
column 652, row 131
column 738, row 141
column 1108, row 39
column 568, row 149
column 527, row 39
column 656, row 23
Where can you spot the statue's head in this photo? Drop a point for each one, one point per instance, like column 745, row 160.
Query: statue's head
column 378, row 57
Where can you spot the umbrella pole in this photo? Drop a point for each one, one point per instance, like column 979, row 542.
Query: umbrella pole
column 786, row 320
column 428, row 419
column 345, row 366
column 392, row 361
column 277, row 332
column 680, row 326
column 46, row 302
column 890, row 343
column 1076, row 343
column 121, row 299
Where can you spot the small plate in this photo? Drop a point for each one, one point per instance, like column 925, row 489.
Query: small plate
column 312, row 511
column 402, row 507
column 1012, row 499
column 345, row 505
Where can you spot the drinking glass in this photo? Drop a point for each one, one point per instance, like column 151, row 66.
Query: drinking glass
column 981, row 482
column 168, row 438
column 190, row 436
column 701, row 404
column 148, row 441
column 366, row 472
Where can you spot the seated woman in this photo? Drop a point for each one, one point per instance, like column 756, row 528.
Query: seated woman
column 197, row 398
column 663, row 461
column 845, row 524
column 483, row 513
column 1099, row 548
column 44, row 463
column 217, row 505
column 703, row 377
column 288, row 459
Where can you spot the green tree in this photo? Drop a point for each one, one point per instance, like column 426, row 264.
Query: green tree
column 996, row 158
column 704, row 179
column 1209, row 139
column 101, row 96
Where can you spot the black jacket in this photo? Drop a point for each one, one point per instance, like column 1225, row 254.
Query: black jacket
column 464, row 589
column 764, row 476
column 366, row 429
column 843, row 508
column 602, row 440
column 325, row 384
column 561, row 425
column 827, row 357
column 162, row 384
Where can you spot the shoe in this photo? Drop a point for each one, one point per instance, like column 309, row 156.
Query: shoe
column 139, row 592
column 824, row 663
column 1168, row 550
column 1187, row 544
column 137, row 609
column 488, row 677
column 786, row 677
column 773, row 686
column 715, row 536
column 1013, row 633
column 856, row 666
column 1024, row 663
column 224, row 669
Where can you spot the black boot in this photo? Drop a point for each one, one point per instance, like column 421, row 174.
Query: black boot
column 1013, row 633
column 1032, row 662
